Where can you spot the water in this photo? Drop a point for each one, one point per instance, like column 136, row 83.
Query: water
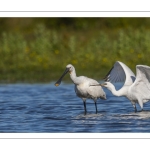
column 39, row 108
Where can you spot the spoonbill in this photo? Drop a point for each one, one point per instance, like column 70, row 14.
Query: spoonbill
column 136, row 89
column 82, row 86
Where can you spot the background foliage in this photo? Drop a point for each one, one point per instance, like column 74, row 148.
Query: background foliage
column 38, row 49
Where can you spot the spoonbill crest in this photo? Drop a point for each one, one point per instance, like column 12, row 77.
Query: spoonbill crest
column 82, row 86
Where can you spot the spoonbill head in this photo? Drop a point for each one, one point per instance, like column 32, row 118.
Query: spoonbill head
column 83, row 88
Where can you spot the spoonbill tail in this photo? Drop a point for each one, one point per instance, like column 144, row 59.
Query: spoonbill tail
column 82, row 86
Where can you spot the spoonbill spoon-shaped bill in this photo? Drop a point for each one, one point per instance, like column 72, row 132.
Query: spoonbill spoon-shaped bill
column 83, row 88
column 137, row 90
column 60, row 79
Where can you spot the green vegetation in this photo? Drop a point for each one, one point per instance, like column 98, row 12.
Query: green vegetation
column 39, row 52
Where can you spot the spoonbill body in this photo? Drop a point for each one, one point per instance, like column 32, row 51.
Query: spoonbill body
column 136, row 89
column 83, row 88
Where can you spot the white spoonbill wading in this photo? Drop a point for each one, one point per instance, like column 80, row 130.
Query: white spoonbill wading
column 136, row 89
column 82, row 86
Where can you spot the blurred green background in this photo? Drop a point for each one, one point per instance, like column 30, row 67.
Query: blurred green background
column 38, row 49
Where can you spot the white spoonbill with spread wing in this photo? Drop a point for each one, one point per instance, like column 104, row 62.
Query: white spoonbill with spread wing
column 82, row 86
column 136, row 89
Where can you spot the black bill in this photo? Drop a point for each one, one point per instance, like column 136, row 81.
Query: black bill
column 59, row 80
column 96, row 85
column 101, row 84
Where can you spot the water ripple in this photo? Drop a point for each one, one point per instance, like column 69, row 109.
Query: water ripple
column 40, row 108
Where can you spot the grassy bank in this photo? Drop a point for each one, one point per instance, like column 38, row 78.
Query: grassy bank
column 43, row 55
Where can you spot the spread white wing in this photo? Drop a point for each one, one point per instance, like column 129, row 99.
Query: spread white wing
column 120, row 73
column 141, row 86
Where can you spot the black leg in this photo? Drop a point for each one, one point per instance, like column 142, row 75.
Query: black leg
column 84, row 102
column 134, row 105
column 96, row 107
column 135, row 109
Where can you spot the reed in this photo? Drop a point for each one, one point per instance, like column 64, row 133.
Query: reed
column 43, row 55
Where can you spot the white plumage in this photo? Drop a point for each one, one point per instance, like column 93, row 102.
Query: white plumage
column 83, row 87
column 136, row 89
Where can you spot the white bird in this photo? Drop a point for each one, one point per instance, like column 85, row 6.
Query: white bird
column 82, row 86
column 136, row 89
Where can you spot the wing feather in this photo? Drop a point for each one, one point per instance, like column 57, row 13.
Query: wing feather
column 95, row 91
column 141, row 86
column 120, row 73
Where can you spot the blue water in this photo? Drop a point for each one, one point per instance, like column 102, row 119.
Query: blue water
column 39, row 108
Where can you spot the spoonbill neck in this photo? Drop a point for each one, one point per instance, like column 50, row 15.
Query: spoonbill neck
column 73, row 77
column 121, row 92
